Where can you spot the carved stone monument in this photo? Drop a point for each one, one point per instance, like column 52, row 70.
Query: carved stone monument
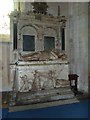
column 39, row 66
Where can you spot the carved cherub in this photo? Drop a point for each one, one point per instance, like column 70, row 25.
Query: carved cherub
column 25, row 83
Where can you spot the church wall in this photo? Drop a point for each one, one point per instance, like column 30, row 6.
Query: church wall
column 1, row 67
column 4, row 66
column 78, row 37
column 53, row 8
column 89, row 43
column 5, row 52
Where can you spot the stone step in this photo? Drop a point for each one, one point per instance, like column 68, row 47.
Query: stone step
column 45, row 99
column 42, row 105
column 52, row 95
column 31, row 95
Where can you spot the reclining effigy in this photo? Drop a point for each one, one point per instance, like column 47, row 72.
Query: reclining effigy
column 44, row 56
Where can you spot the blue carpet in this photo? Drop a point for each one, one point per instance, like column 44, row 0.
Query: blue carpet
column 75, row 110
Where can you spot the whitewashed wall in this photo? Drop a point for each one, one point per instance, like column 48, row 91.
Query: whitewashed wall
column 78, row 38
column 89, row 40
column 4, row 66
column 0, row 66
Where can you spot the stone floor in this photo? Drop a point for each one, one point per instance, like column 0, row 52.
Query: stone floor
column 59, row 101
column 72, row 110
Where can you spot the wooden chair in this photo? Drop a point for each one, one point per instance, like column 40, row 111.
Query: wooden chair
column 73, row 78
